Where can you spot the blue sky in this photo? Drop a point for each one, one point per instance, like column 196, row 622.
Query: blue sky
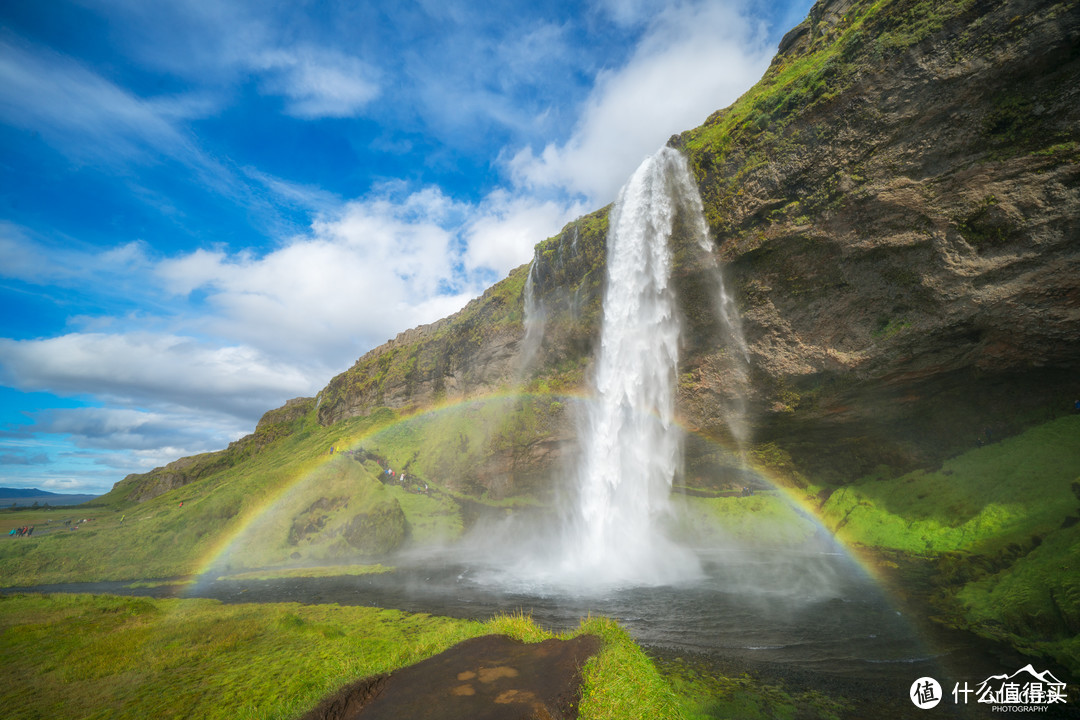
column 208, row 207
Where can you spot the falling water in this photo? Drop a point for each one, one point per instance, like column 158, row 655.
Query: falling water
column 735, row 358
column 535, row 316
column 631, row 446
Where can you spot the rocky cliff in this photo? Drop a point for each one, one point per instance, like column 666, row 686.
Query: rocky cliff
column 897, row 201
column 896, row 206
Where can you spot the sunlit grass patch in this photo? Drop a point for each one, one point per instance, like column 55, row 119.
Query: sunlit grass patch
column 102, row 656
column 1035, row 602
column 622, row 682
column 1002, row 521
column 980, row 501
column 121, row 657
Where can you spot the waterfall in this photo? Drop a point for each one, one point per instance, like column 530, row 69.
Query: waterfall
column 631, row 445
column 736, row 355
column 535, row 316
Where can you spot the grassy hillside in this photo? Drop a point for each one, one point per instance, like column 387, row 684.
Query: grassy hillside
column 160, row 537
column 296, row 502
column 1002, row 523
column 981, row 502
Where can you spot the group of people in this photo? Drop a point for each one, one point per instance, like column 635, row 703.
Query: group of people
column 25, row 531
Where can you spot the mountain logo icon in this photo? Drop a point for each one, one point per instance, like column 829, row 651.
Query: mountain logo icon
column 1023, row 687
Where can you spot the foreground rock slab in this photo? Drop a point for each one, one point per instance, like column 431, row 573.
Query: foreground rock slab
column 486, row 678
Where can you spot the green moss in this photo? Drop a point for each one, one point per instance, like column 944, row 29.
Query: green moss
column 705, row 695
column 985, row 226
column 888, row 327
column 1003, row 522
column 980, row 501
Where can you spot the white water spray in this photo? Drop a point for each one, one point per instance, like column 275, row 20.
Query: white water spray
column 736, row 354
column 631, row 446
column 535, row 316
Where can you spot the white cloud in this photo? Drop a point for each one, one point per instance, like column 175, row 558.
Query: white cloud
column 147, row 432
column 692, row 60
column 153, row 369
column 317, row 82
column 367, row 271
column 504, row 231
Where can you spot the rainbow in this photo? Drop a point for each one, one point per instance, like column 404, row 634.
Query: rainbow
column 229, row 541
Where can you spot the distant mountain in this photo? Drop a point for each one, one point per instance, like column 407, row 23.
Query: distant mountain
column 28, row 496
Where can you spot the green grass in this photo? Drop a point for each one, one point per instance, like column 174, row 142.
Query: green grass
column 622, row 682
column 703, row 695
column 446, row 446
column 981, row 501
column 118, row 657
column 316, row 520
column 1034, row 604
column 158, row 538
column 761, row 519
column 109, row 657
column 999, row 520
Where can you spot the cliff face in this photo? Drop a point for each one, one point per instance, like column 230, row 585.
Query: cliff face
column 897, row 203
column 896, row 206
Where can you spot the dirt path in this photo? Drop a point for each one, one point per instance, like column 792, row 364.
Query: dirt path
column 485, row 678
